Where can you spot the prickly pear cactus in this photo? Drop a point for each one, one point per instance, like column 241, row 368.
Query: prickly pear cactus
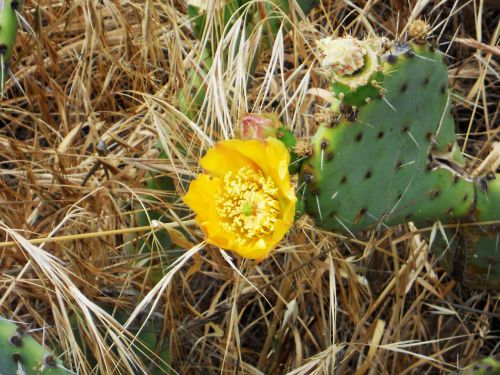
column 21, row 354
column 391, row 156
column 8, row 31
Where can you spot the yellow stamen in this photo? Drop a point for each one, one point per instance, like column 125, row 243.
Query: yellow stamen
column 248, row 204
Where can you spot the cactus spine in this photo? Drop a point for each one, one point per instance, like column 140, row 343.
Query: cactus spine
column 8, row 31
column 21, row 354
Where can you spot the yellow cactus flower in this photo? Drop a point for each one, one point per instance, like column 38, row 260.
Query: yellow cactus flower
column 245, row 202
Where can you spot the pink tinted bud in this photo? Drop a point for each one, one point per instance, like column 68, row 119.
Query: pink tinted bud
column 259, row 125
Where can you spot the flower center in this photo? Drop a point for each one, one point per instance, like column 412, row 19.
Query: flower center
column 248, row 203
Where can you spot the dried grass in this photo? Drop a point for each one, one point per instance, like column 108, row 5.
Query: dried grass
column 111, row 71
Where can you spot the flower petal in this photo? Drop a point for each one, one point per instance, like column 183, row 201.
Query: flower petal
column 201, row 194
column 221, row 159
column 258, row 250
column 270, row 156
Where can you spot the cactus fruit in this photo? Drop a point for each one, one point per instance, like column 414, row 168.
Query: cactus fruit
column 8, row 31
column 391, row 154
column 21, row 354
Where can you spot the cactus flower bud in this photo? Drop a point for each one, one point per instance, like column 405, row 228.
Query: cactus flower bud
column 259, row 125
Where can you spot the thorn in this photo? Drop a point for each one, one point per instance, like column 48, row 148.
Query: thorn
column 322, row 157
column 376, row 219
column 445, row 110
column 319, row 208
column 443, row 233
column 20, row 368
column 298, row 160
column 444, row 22
column 432, row 236
column 425, row 58
column 344, row 226
column 334, row 195
column 409, row 163
column 414, row 140
column 402, row 195
column 301, row 185
column 3, row 68
column 389, row 104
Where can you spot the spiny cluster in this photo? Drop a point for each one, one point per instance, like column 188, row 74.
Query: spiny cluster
column 419, row 30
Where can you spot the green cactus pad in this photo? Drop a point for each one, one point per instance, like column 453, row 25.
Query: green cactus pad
column 8, row 26
column 21, row 354
column 473, row 254
column 486, row 366
column 472, row 257
column 488, row 198
column 394, row 161
column 8, row 31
